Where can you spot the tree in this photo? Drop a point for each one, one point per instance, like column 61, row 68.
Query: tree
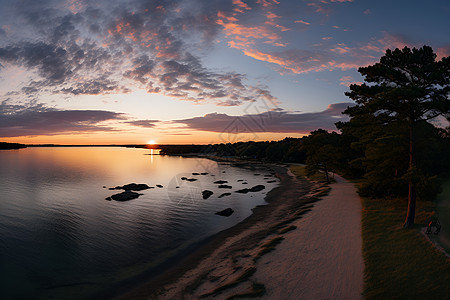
column 322, row 151
column 407, row 87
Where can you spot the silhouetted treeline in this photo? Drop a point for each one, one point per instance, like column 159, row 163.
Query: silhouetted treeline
column 287, row 150
column 6, row 146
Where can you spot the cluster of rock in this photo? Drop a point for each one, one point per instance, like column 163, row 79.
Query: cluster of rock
column 130, row 189
column 133, row 187
column 128, row 193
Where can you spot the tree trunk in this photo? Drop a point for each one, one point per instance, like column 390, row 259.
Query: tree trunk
column 411, row 213
column 326, row 173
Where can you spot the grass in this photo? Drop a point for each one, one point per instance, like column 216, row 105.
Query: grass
column 443, row 211
column 400, row 263
column 300, row 170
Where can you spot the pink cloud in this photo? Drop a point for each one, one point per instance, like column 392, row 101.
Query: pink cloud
column 443, row 52
column 267, row 3
column 240, row 6
column 302, row 22
column 272, row 16
column 348, row 80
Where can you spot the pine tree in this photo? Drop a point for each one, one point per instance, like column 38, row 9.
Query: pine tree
column 407, row 87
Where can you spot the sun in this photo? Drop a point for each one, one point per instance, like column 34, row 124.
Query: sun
column 151, row 142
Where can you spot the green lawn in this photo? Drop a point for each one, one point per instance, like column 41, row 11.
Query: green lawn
column 400, row 263
column 300, row 170
column 443, row 210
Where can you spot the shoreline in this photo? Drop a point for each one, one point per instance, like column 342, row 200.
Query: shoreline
column 282, row 205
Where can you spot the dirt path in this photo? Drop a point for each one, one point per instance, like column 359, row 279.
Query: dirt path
column 322, row 258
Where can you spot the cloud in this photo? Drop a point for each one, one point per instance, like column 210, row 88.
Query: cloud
column 143, row 123
column 270, row 121
column 348, row 80
column 36, row 119
column 330, row 57
column 103, row 47
column 302, row 22
column 324, row 6
column 443, row 52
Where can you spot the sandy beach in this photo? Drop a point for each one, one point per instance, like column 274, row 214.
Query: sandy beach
column 322, row 259
column 292, row 248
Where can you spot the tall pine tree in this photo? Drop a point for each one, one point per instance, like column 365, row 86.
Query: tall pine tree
column 407, row 87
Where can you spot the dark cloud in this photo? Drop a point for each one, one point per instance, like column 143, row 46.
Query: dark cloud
column 36, row 119
column 275, row 120
column 143, row 123
column 98, row 47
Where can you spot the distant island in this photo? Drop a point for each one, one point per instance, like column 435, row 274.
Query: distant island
column 9, row 146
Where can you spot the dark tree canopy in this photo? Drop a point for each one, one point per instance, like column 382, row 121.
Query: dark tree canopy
column 406, row 88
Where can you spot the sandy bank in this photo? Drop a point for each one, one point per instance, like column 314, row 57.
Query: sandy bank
column 322, row 259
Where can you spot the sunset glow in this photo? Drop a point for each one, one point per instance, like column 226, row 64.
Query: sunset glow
column 189, row 72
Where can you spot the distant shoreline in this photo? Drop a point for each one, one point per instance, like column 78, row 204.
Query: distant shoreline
column 11, row 146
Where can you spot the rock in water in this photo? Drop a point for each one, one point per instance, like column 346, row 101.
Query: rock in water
column 124, row 196
column 204, row 173
column 224, row 194
column 257, row 188
column 132, row 187
column 206, row 194
column 220, row 181
column 160, row 186
column 195, row 173
column 224, row 186
column 226, row 212
column 191, row 179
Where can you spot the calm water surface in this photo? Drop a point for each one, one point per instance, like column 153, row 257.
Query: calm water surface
column 60, row 238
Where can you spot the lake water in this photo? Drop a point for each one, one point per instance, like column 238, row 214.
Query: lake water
column 60, row 238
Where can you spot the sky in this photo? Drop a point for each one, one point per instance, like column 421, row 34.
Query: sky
column 187, row 71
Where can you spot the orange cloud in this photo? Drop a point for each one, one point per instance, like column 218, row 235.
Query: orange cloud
column 267, row 3
column 302, row 22
column 341, row 49
column 271, row 16
column 240, row 6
